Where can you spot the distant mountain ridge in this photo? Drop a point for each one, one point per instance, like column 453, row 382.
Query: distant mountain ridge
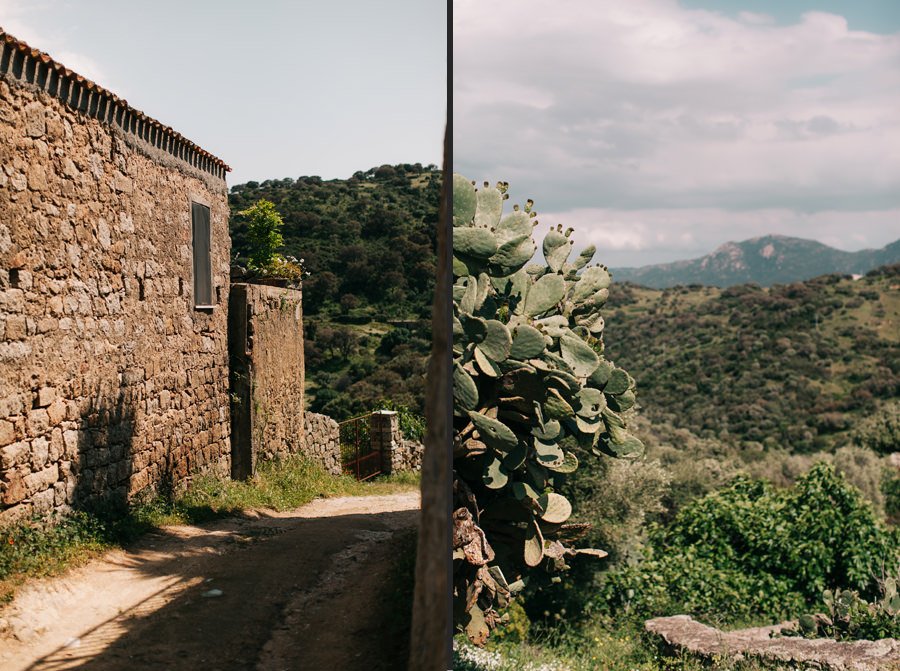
column 767, row 260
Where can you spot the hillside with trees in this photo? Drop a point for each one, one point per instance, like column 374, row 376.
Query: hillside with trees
column 766, row 260
column 794, row 366
column 368, row 244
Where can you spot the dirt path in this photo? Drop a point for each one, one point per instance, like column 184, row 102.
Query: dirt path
column 267, row 592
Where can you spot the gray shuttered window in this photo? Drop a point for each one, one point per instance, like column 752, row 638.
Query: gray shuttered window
column 203, row 294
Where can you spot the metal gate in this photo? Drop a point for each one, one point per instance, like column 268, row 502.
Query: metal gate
column 358, row 458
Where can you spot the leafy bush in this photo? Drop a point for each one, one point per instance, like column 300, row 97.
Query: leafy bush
column 37, row 546
column 617, row 498
column 864, row 469
column 264, row 239
column 890, row 487
column 881, row 430
column 750, row 551
column 263, row 232
column 850, row 618
column 516, row 624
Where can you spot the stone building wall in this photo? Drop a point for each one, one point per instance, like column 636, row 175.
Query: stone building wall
column 110, row 380
column 267, row 382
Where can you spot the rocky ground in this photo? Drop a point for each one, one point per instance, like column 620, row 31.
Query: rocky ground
column 267, row 591
column 681, row 632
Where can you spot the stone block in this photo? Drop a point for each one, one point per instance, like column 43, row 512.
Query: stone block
column 70, row 440
column 43, row 501
column 15, row 514
column 7, row 432
column 14, row 489
column 123, row 184
column 69, row 169
column 37, row 177
column 38, row 422
column 60, row 492
column 16, row 328
column 40, row 452
column 14, row 454
column 35, row 119
column 57, row 446
column 56, row 412
column 45, row 396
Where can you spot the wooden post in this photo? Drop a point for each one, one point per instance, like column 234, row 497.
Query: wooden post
column 431, row 630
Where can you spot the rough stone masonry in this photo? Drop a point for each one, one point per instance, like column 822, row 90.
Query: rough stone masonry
column 111, row 381
column 267, row 377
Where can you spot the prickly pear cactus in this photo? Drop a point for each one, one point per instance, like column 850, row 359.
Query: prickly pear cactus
column 533, row 395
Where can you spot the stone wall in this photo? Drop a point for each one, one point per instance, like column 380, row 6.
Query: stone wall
column 398, row 454
column 267, row 382
column 764, row 647
column 266, row 355
column 110, row 380
column 323, row 441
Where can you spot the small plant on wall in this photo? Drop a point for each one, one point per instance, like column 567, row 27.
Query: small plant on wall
column 264, row 239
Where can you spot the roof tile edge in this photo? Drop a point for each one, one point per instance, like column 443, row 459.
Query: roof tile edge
column 21, row 62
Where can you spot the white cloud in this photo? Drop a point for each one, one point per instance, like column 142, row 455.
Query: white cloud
column 22, row 20
column 646, row 106
column 755, row 18
column 624, row 237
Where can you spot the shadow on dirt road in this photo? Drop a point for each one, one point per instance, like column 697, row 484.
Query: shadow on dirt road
column 277, row 591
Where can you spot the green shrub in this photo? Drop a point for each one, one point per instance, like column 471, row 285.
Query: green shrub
column 516, row 624
column 850, row 618
column 890, row 487
column 264, row 237
column 863, row 469
column 881, row 430
column 751, row 551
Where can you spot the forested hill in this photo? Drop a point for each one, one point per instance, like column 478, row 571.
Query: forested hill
column 367, row 241
column 795, row 366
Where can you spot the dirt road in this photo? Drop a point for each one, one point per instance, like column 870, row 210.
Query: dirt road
column 266, row 592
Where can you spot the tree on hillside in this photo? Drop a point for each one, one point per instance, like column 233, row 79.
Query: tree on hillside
column 263, row 232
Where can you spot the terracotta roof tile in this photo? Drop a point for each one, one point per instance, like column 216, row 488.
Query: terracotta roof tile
column 46, row 59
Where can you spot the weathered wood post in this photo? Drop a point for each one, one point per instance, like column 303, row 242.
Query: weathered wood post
column 431, row 630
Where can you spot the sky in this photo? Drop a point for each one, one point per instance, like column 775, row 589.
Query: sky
column 660, row 129
column 275, row 88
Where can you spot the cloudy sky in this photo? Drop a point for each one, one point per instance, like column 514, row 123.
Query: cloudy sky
column 275, row 88
column 660, row 129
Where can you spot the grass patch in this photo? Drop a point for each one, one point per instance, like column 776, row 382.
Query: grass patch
column 280, row 485
column 44, row 547
column 598, row 645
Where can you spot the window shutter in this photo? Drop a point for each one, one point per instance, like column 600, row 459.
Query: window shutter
column 202, row 263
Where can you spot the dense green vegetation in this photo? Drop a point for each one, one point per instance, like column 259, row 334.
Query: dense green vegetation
column 751, row 552
column 795, row 366
column 368, row 244
column 769, row 418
